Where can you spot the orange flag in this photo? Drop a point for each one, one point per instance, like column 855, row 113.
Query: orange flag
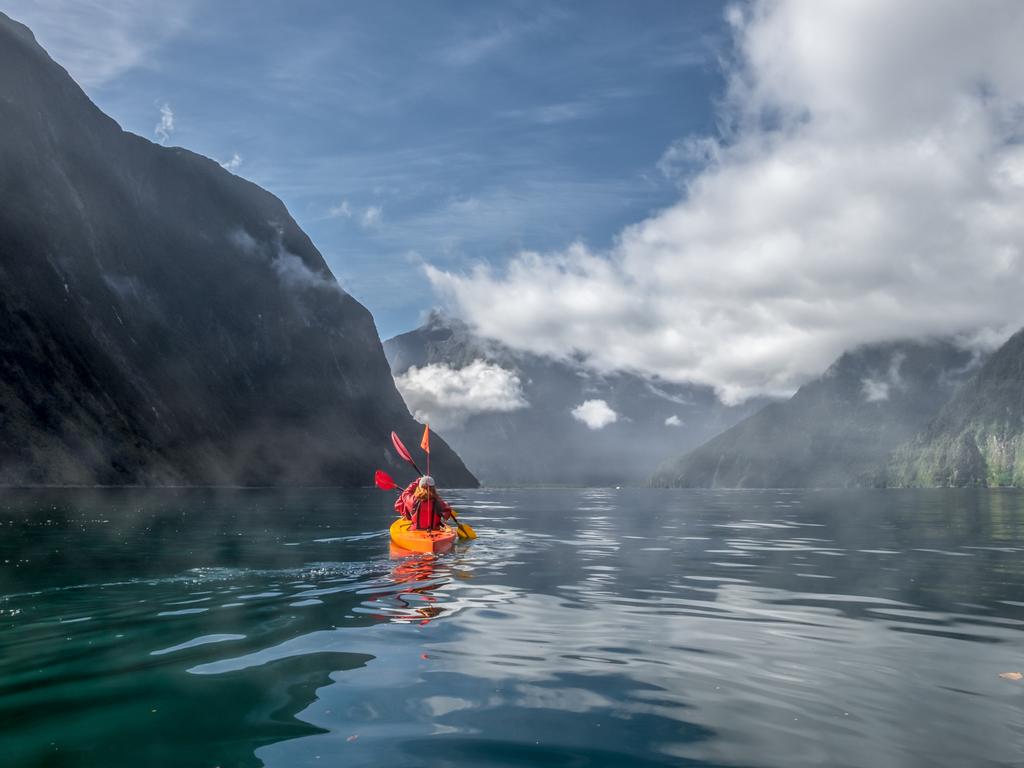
column 425, row 442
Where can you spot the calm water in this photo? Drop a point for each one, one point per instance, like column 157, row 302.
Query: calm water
column 583, row 628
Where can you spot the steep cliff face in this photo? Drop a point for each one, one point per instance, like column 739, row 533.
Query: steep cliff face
column 836, row 431
column 978, row 436
column 540, row 441
column 164, row 321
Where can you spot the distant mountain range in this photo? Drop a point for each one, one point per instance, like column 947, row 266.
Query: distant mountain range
column 163, row 321
column 839, row 430
column 519, row 418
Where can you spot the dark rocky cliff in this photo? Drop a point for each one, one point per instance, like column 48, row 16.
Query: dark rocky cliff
column 164, row 321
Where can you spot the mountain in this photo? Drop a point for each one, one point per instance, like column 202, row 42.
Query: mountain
column 835, row 431
column 977, row 438
column 163, row 321
column 509, row 414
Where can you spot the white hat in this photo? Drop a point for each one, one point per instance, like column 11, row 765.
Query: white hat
column 426, row 482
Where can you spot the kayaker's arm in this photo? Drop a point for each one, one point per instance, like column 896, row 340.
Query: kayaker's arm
column 403, row 503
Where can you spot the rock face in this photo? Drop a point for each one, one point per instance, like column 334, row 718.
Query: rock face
column 540, row 442
column 978, row 436
column 836, row 431
column 165, row 322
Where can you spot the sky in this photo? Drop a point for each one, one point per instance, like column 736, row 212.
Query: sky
column 403, row 133
column 724, row 193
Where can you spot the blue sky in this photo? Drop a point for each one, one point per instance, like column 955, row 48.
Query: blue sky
column 404, row 132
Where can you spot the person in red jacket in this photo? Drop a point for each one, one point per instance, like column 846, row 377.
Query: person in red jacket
column 420, row 504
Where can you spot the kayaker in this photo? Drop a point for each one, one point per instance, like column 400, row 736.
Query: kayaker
column 420, row 504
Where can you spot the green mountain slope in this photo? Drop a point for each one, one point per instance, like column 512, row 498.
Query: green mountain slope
column 835, row 431
column 978, row 436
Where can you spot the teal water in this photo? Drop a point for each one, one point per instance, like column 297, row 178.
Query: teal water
column 583, row 628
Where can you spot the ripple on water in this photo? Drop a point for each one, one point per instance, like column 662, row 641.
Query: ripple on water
column 196, row 642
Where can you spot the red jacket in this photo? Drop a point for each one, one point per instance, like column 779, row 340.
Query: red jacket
column 424, row 514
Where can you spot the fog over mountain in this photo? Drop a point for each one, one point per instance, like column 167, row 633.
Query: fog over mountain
column 521, row 418
column 978, row 436
column 164, row 321
column 838, row 430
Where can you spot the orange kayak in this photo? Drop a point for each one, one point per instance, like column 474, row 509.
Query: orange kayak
column 415, row 540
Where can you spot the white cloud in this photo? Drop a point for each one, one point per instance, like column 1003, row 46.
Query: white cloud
column 596, row 414
column 290, row 268
column 867, row 186
column 878, row 388
column 97, row 41
column 340, row 211
column 372, row 217
column 244, row 241
column 678, row 399
column 875, row 390
column 685, row 154
column 165, row 127
column 673, row 421
column 233, row 164
column 292, row 271
column 446, row 396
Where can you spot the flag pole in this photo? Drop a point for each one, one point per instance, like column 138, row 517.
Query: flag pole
column 425, row 444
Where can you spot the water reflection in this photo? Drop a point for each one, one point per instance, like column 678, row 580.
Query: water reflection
column 416, row 588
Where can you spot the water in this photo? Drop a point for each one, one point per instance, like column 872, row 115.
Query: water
column 583, row 628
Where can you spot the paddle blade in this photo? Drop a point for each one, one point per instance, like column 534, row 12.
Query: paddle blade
column 402, row 450
column 383, row 481
column 465, row 529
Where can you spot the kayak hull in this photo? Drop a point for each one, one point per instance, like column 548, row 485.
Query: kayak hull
column 412, row 539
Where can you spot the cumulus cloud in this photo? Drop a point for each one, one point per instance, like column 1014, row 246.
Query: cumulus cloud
column 596, row 414
column 686, row 154
column 866, row 186
column 447, row 396
column 673, row 421
column 165, row 127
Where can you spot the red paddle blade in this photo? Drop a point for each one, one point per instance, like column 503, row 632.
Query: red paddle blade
column 383, row 481
column 402, row 450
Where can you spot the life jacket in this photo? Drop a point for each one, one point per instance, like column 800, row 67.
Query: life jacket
column 424, row 514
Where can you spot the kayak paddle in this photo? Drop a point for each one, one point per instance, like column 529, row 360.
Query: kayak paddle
column 404, row 452
column 465, row 529
column 383, row 481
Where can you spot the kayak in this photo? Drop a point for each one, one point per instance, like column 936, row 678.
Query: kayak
column 415, row 540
